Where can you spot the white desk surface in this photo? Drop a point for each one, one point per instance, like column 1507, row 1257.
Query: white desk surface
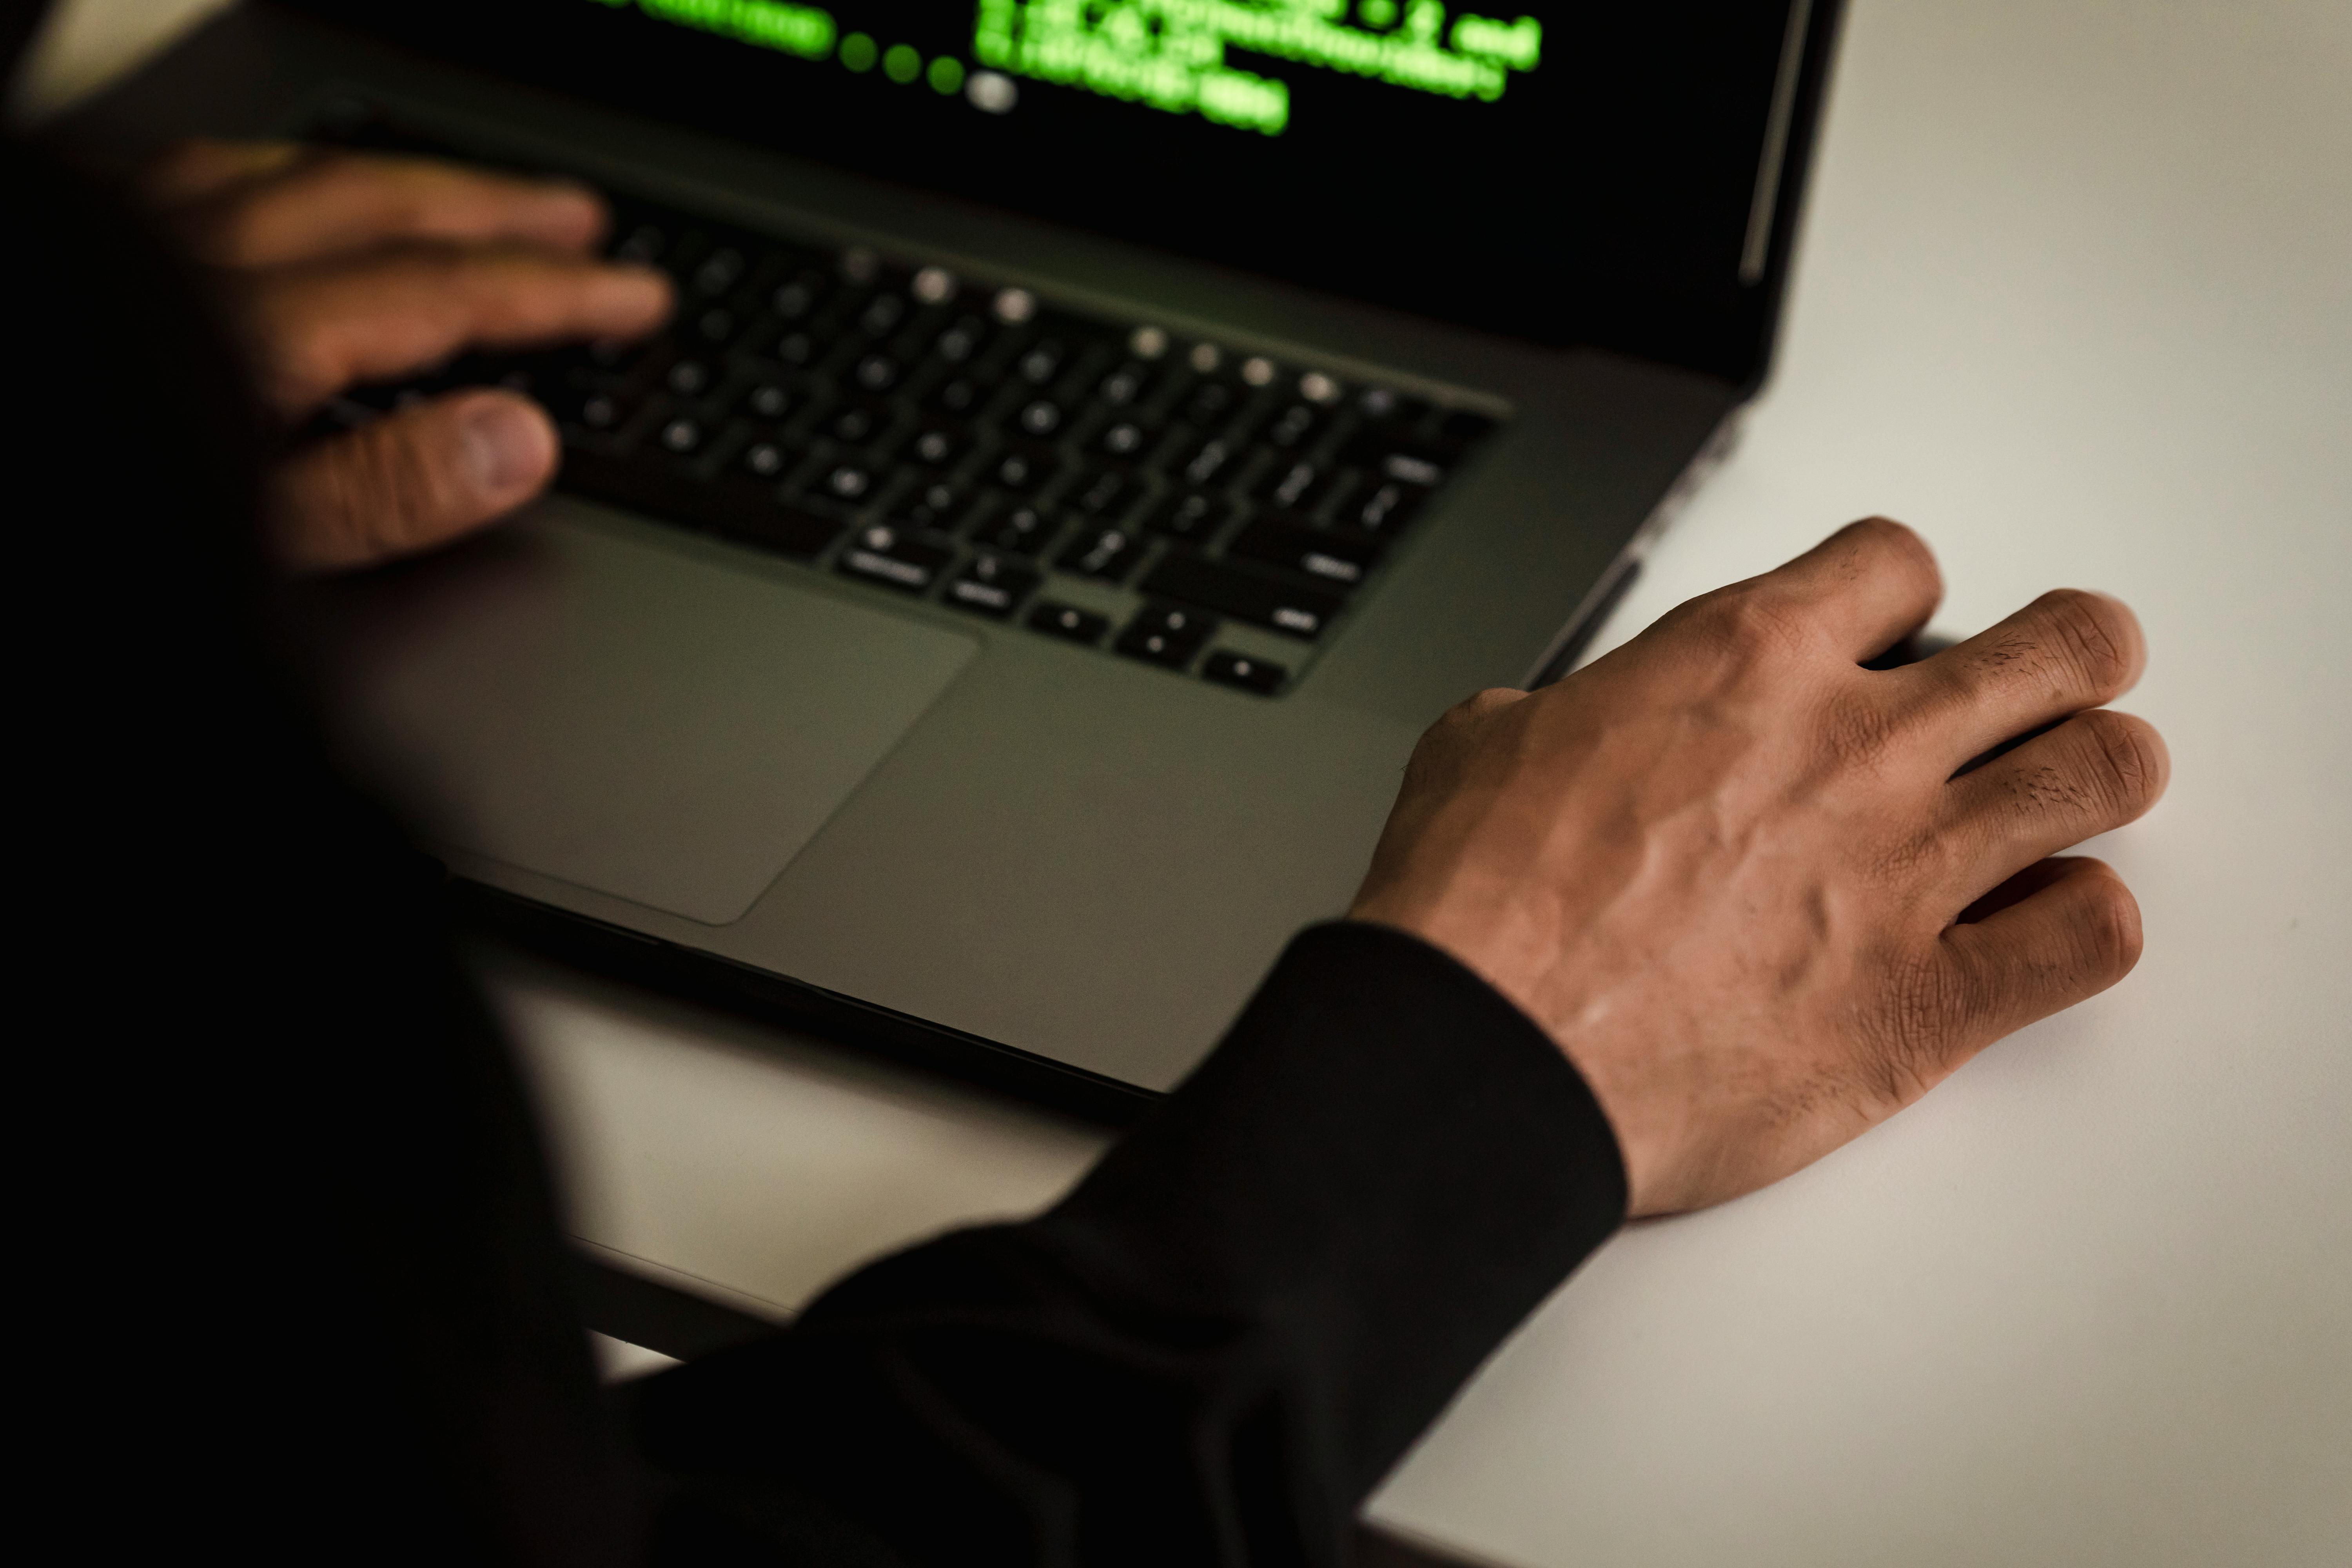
column 2077, row 299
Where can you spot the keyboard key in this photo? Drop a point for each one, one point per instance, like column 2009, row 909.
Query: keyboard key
column 716, row 325
column 588, row 408
column 882, row 315
column 884, row 554
column 1126, row 439
column 1412, row 469
column 1245, row 671
column 619, row 356
column 1292, row 485
column 1294, row 427
column 1379, row 509
column 1128, row 385
column 799, row 348
column 959, row 395
column 848, row 481
column 1018, row 526
column 876, row 372
column 1390, row 410
column 1335, row 557
column 719, row 271
column 1109, row 553
column 782, row 527
column 1040, row 417
column 1302, row 612
column 1066, row 621
column 855, row 427
column 765, row 400
column 1022, row 471
column 683, row 436
column 933, row 503
column 933, row 285
column 767, row 459
column 939, row 449
column 1110, row 495
column 1212, row 403
column 743, row 511
column 1190, row 515
column 1165, row 634
column 1317, row 387
column 962, row 339
column 645, row 244
column 1044, row 360
column 1207, row 461
column 797, row 297
column 992, row 585
column 1387, row 458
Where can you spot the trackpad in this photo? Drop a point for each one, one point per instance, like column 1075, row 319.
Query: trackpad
column 588, row 701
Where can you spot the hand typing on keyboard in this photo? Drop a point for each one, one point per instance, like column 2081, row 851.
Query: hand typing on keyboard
column 1764, row 897
column 1101, row 479
column 342, row 267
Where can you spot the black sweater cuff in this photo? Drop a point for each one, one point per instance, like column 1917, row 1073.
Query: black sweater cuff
column 1386, row 1162
column 1213, row 1348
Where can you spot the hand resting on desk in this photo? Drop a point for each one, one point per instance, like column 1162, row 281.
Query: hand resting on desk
column 1743, row 880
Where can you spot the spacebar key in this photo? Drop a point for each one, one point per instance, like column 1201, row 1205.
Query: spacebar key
column 750, row 512
column 1300, row 611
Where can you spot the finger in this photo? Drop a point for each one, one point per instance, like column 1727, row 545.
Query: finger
column 323, row 203
column 323, row 326
column 1865, row 588
column 410, row 480
column 2076, row 936
column 2094, row 772
column 2068, row 650
column 197, row 170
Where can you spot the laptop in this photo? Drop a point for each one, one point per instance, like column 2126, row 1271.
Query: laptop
column 1095, row 440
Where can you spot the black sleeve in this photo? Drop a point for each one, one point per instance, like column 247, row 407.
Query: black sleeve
column 1212, row 1349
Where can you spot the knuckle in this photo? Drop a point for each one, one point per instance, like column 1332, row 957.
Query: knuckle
column 1856, row 731
column 1754, row 621
column 1478, row 704
column 1459, row 723
column 394, row 488
column 1907, row 858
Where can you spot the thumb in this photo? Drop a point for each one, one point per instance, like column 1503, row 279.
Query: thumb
column 414, row 479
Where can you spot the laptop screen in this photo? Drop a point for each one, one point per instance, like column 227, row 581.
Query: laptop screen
column 1555, row 171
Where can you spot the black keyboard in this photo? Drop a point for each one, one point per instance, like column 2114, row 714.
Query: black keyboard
column 1102, row 482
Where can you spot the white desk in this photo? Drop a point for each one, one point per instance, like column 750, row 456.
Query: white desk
column 2077, row 299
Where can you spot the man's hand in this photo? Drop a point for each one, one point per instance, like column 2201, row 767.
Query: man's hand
column 345, row 268
column 1744, row 881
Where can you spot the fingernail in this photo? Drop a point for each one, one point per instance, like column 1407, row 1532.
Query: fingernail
column 507, row 443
